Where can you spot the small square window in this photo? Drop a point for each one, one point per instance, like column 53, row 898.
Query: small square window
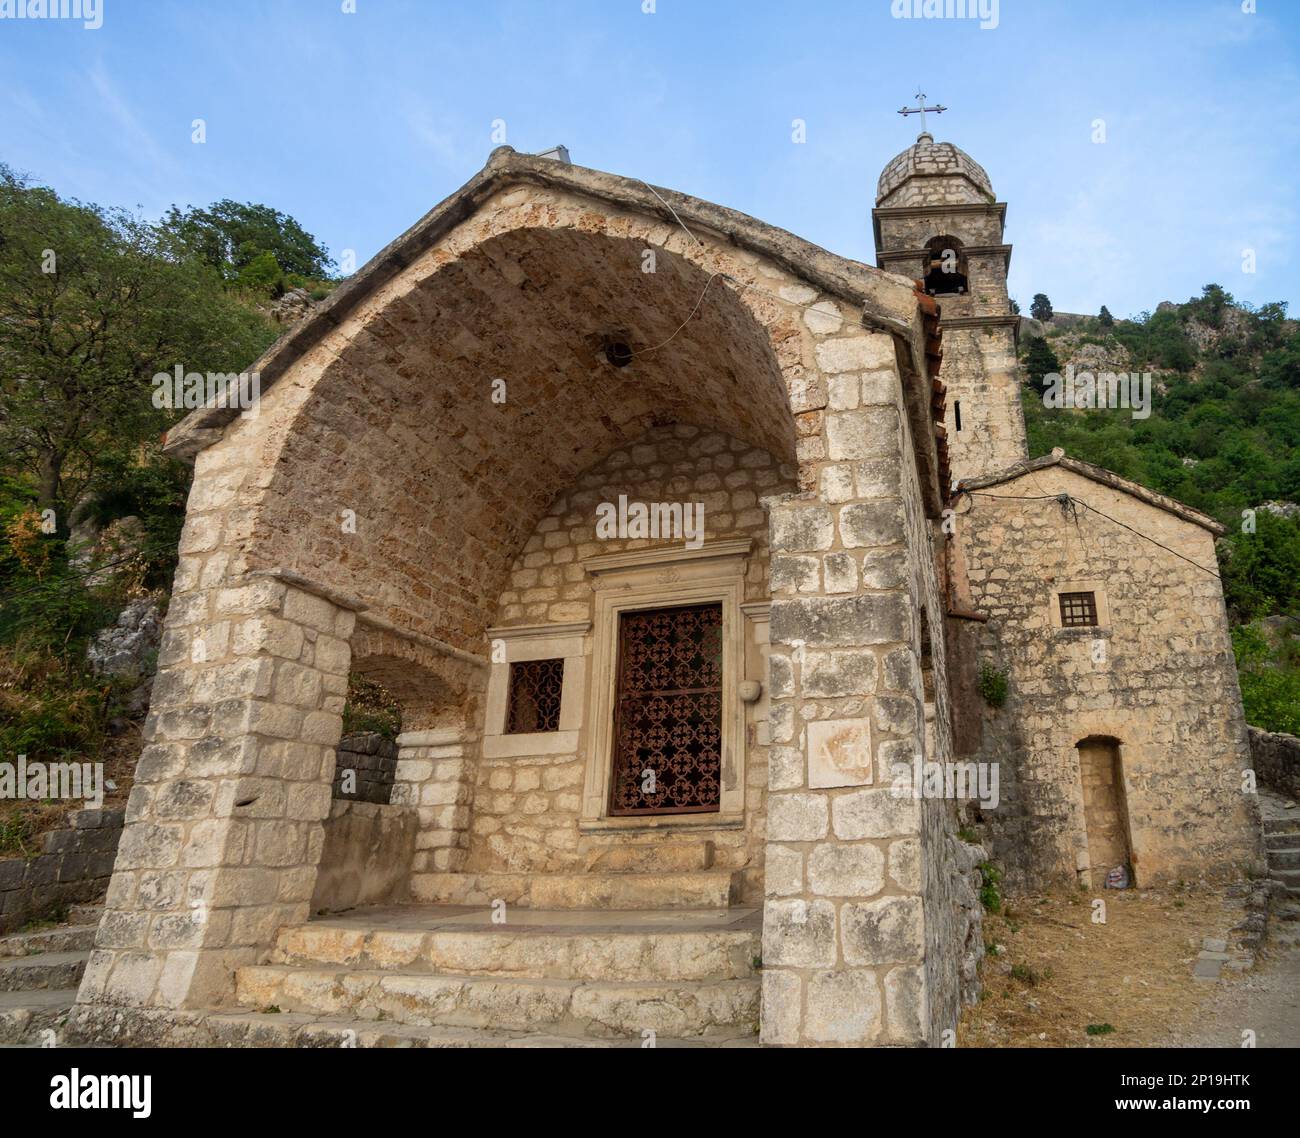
column 535, row 687
column 1078, row 610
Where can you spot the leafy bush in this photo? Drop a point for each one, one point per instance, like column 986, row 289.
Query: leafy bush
column 49, row 707
column 1269, row 677
column 990, row 889
column 993, row 684
column 1260, row 569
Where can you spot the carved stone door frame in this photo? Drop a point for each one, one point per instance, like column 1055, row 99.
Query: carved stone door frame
column 653, row 579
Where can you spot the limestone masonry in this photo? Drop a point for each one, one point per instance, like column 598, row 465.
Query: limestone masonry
column 646, row 784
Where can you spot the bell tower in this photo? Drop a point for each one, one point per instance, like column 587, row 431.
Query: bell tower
column 938, row 222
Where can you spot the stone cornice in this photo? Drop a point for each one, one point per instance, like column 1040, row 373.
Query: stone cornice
column 666, row 555
column 1006, row 321
column 315, row 588
column 539, row 631
column 931, row 210
column 378, row 624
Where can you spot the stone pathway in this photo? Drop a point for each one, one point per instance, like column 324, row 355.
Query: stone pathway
column 1265, row 1001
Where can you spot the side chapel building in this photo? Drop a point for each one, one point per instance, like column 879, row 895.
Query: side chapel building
column 647, row 782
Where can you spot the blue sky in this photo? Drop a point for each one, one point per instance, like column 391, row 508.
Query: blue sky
column 358, row 123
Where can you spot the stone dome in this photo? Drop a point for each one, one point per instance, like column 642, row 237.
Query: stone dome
column 933, row 173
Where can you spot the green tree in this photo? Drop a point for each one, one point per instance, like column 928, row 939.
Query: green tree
column 230, row 236
column 1106, row 319
column 1040, row 360
column 1260, row 569
column 1210, row 307
column 1041, row 308
column 93, row 303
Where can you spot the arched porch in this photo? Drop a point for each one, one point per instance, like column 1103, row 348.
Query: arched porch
column 380, row 511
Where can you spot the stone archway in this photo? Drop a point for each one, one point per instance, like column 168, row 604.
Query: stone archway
column 410, row 438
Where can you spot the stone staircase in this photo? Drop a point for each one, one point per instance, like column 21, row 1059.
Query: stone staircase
column 39, row 974
column 1282, row 847
column 618, row 874
column 566, row 976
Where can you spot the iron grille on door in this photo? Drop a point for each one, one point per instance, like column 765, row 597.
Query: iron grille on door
column 668, row 712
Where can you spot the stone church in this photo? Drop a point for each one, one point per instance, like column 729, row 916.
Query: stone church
column 682, row 543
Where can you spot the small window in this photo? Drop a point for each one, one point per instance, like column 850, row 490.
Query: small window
column 1078, row 610
column 956, row 411
column 927, row 659
column 535, row 687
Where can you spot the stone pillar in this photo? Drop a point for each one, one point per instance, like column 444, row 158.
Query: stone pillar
column 843, row 924
column 224, row 822
column 434, row 770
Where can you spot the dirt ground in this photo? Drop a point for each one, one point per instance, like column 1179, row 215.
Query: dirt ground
column 1265, row 1001
column 1054, row 971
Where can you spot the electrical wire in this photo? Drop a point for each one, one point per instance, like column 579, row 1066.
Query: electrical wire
column 670, row 209
column 1086, row 506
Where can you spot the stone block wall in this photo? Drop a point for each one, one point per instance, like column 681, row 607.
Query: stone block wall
column 1276, row 759
column 980, row 372
column 435, row 777
column 847, row 927
column 1157, row 675
column 224, row 823
column 73, row 867
column 911, row 230
column 526, row 808
column 366, row 857
column 372, row 759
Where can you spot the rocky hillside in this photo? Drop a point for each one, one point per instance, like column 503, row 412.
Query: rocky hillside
column 1224, row 430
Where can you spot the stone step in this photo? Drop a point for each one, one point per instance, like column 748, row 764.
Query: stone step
column 594, row 947
column 1289, row 877
column 1282, row 825
column 650, row 857
column 253, row 1029
column 1284, row 859
column 598, row 1009
column 24, row 1015
column 61, row 938
column 707, row 889
column 46, row 970
column 1282, row 841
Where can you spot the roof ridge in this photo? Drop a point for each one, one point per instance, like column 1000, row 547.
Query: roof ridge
column 1103, row 477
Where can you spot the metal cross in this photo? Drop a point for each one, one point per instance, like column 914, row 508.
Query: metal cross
column 920, row 109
